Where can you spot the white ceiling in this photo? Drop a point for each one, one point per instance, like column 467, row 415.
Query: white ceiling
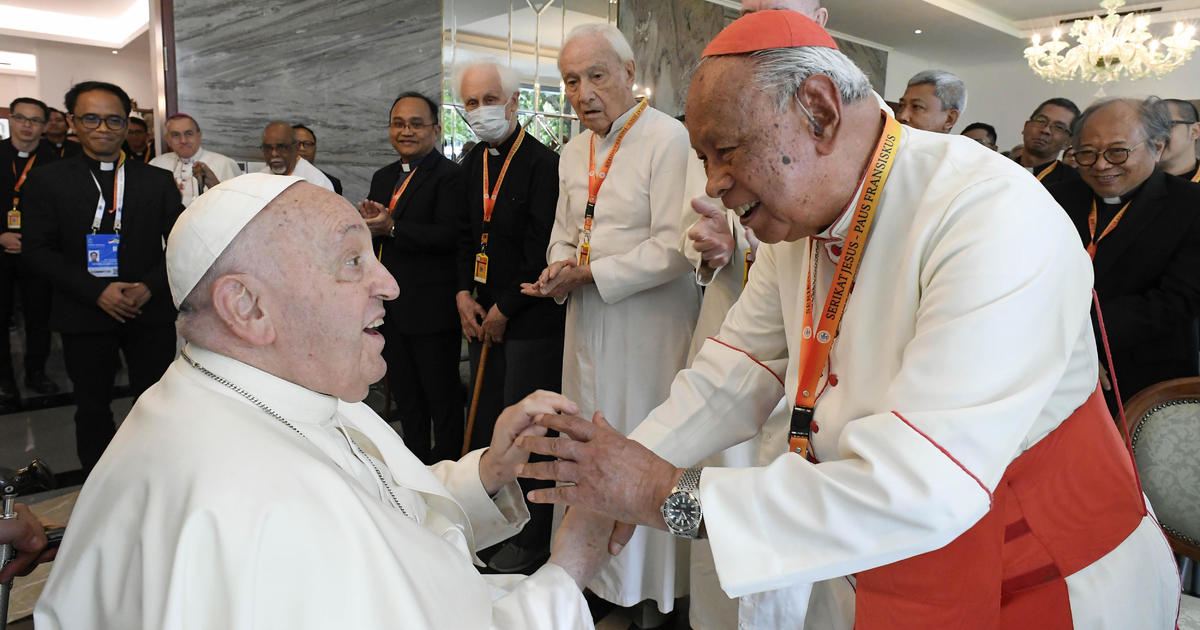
column 978, row 31
column 107, row 23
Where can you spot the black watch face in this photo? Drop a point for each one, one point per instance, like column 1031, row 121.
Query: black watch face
column 681, row 512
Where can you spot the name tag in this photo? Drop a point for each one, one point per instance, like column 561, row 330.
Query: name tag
column 102, row 254
column 481, row 265
column 14, row 219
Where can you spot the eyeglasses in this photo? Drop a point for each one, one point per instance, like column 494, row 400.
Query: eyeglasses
column 20, row 120
column 1042, row 121
column 1182, row 122
column 415, row 125
column 276, row 148
column 92, row 121
column 305, row 144
column 1115, row 155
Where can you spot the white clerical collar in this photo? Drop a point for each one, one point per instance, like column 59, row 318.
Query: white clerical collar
column 493, row 151
column 107, row 166
column 617, row 124
column 295, row 403
column 1112, row 201
column 22, row 154
column 405, row 166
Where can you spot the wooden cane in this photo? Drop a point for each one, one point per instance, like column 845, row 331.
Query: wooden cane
column 483, row 354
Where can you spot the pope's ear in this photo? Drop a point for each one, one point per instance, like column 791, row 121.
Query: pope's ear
column 238, row 300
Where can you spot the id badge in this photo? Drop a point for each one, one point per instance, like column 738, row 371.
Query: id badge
column 101, row 251
column 481, row 264
column 14, row 219
column 585, row 250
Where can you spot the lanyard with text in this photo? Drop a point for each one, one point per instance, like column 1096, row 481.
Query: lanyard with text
column 14, row 215
column 118, row 198
column 489, row 204
column 595, row 179
column 1091, row 248
column 815, row 348
column 396, row 197
column 1046, row 171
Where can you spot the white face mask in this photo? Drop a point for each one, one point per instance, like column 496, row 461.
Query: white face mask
column 488, row 122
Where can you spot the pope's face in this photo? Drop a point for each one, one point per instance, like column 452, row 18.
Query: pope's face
column 756, row 157
column 598, row 85
column 331, row 295
column 1115, row 127
column 183, row 137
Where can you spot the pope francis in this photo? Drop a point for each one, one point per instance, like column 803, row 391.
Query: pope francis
column 250, row 488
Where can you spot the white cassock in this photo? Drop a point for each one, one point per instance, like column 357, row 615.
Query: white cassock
column 310, row 173
column 969, row 318
column 189, row 185
column 710, row 608
column 628, row 334
column 206, row 512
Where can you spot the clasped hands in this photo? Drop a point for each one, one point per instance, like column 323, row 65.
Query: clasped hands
column 379, row 220
column 123, row 300
column 559, row 279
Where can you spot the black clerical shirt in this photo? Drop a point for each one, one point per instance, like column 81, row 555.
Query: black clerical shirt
column 518, row 233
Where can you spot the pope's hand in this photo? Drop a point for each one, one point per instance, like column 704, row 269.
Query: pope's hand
column 607, row 472
column 499, row 463
column 710, row 235
column 28, row 537
column 579, row 544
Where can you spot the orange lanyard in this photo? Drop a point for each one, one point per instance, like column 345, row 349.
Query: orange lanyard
column 1196, row 175
column 400, row 190
column 396, row 197
column 21, row 179
column 489, row 200
column 749, row 263
column 1046, row 171
column 815, row 348
column 596, row 179
column 1091, row 248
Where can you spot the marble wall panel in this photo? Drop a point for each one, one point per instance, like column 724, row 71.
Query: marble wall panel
column 334, row 66
column 667, row 37
column 871, row 60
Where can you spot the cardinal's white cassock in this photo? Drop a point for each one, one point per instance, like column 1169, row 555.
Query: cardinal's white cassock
column 189, row 185
column 306, row 170
column 208, row 512
column 628, row 334
column 958, row 413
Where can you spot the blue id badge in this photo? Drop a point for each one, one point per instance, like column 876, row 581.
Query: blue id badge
column 102, row 254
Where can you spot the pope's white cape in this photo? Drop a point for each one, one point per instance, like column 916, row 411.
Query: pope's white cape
column 969, row 317
column 310, row 173
column 205, row 512
column 628, row 334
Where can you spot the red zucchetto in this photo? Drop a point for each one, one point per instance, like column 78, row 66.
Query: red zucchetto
column 763, row 30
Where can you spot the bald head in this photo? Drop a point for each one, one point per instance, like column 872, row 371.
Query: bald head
column 279, row 147
column 809, row 8
column 297, row 294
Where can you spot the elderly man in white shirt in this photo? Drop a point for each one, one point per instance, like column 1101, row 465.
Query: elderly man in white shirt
column 251, row 487
column 281, row 150
column 195, row 168
column 614, row 257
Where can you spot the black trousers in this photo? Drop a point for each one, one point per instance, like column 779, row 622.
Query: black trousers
column 35, row 306
column 91, row 360
column 422, row 372
column 515, row 369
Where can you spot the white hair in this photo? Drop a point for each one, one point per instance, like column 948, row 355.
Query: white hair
column 948, row 88
column 782, row 70
column 508, row 78
column 609, row 32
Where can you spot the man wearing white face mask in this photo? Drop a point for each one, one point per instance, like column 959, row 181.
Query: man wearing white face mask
column 504, row 228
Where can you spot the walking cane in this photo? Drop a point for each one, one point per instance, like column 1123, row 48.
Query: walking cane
column 474, row 398
column 33, row 478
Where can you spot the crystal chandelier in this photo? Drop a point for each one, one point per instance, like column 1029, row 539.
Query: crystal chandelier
column 1110, row 48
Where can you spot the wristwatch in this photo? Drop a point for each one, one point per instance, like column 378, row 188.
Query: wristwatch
column 682, row 510
column 392, row 232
